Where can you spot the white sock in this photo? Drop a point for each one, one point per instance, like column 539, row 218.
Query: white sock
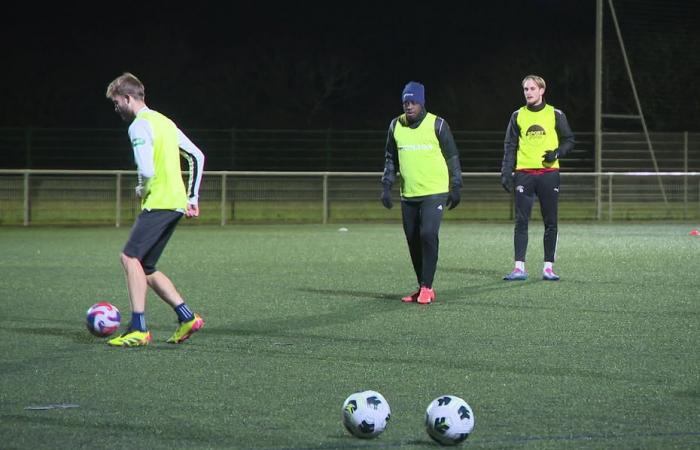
column 520, row 265
column 547, row 265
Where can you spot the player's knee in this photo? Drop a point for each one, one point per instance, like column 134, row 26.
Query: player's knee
column 521, row 224
column 428, row 235
column 125, row 259
column 522, row 217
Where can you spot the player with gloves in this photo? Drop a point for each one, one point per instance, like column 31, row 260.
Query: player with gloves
column 538, row 135
column 420, row 147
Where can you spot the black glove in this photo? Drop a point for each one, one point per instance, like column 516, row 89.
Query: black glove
column 386, row 197
column 453, row 198
column 507, row 181
column 550, row 156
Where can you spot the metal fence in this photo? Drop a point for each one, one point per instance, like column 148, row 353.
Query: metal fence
column 96, row 197
column 56, row 176
column 328, row 150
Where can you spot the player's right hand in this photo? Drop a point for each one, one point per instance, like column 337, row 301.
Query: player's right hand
column 386, row 198
column 507, row 181
column 139, row 190
column 550, row 156
column 192, row 210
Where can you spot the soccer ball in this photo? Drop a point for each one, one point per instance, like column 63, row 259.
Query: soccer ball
column 449, row 420
column 365, row 414
column 103, row 319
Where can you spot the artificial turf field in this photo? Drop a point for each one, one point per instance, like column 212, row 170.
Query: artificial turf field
column 300, row 316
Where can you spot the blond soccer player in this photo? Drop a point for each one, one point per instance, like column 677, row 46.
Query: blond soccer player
column 157, row 145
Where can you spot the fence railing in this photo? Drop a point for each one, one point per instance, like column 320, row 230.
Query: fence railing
column 106, row 197
column 329, row 150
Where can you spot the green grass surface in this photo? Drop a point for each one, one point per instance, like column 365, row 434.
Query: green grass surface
column 300, row 316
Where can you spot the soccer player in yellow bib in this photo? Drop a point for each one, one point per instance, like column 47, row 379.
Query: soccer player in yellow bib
column 538, row 135
column 157, row 144
column 421, row 148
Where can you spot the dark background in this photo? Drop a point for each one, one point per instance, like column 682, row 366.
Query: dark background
column 342, row 65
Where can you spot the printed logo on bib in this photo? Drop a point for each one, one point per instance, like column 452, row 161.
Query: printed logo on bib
column 535, row 132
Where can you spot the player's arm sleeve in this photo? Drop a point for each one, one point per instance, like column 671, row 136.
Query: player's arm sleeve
column 449, row 151
column 390, row 157
column 195, row 160
column 141, row 137
column 566, row 136
column 510, row 145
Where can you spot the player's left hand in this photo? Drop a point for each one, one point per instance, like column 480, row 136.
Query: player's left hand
column 550, row 156
column 453, row 198
column 192, row 210
column 507, row 181
column 140, row 189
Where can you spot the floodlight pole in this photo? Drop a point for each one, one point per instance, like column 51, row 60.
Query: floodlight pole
column 598, row 107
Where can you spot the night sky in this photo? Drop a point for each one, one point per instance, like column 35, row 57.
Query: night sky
column 306, row 66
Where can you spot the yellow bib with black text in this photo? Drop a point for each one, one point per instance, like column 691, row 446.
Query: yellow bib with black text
column 537, row 134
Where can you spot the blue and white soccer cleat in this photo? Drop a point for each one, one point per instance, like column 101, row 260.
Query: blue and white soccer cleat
column 549, row 275
column 516, row 275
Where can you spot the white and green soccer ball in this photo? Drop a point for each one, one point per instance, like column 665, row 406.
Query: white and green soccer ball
column 366, row 414
column 449, row 420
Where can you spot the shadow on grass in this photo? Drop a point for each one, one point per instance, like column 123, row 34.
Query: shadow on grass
column 472, row 271
column 464, row 363
column 690, row 393
column 468, row 296
column 71, row 333
column 534, row 276
column 275, row 343
column 278, row 339
column 85, row 338
column 349, row 293
column 290, row 327
column 344, row 313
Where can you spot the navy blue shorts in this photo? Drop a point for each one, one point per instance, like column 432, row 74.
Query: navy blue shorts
column 150, row 233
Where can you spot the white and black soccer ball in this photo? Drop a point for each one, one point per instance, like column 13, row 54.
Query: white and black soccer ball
column 103, row 319
column 449, row 420
column 366, row 414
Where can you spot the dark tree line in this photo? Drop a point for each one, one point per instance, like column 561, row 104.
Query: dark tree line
column 318, row 71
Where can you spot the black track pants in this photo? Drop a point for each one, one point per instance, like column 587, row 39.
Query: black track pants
column 421, row 224
column 546, row 188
